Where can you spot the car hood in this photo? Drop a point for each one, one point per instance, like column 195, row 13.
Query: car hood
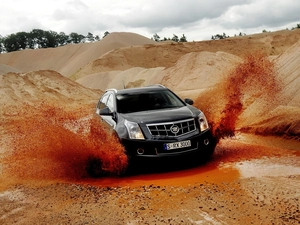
column 162, row 115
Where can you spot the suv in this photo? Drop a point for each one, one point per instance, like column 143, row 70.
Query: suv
column 154, row 122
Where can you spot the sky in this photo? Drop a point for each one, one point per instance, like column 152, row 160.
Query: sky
column 195, row 19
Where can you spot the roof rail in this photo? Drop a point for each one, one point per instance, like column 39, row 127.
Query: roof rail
column 159, row 85
column 111, row 89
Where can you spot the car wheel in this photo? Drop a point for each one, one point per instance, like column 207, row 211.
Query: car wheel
column 94, row 167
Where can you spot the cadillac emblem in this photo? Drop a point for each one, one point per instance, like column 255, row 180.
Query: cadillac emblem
column 174, row 129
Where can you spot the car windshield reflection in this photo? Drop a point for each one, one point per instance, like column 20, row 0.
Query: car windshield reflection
column 136, row 102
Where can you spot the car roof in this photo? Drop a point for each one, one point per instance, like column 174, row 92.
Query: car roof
column 139, row 89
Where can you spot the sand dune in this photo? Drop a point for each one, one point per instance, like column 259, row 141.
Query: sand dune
column 70, row 58
column 281, row 114
column 289, row 70
column 166, row 54
column 40, row 85
column 192, row 73
column 133, row 77
column 6, row 69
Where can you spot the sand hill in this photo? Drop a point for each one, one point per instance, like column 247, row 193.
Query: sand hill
column 200, row 70
column 68, row 59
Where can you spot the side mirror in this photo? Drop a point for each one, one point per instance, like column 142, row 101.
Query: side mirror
column 189, row 101
column 105, row 112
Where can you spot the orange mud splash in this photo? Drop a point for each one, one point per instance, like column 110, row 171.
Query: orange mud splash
column 256, row 72
column 230, row 154
column 48, row 142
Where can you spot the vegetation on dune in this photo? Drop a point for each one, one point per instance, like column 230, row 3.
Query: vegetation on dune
column 38, row 38
column 175, row 38
column 224, row 36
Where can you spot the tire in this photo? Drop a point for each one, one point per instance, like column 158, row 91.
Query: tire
column 94, row 167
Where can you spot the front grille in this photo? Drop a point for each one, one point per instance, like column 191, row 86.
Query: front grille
column 172, row 129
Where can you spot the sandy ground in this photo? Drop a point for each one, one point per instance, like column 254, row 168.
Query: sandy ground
column 247, row 86
column 234, row 187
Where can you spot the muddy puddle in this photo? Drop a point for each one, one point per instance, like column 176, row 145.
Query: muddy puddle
column 268, row 167
column 243, row 156
column 182, row 177
column 242, row 183
column 239, row 161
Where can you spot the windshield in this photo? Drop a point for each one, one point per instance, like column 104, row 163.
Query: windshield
column 136, row 102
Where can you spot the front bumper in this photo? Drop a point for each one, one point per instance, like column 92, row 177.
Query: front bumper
column 203, row 143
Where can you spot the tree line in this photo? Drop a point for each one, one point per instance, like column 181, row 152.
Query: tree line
column 224, row 36
column 175, row 38
column 38, row 38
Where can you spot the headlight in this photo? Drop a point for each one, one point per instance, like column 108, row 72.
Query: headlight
column 202, row 122
column 134, row 130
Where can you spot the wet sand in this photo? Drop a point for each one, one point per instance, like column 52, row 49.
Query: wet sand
column 237, row 186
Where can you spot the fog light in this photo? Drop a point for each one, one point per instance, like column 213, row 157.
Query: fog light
column 206, row 141
column 140, row 151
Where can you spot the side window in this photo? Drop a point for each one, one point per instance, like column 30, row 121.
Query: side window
column 103, row 101
column 110, row 103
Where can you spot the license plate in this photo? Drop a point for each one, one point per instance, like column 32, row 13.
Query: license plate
column 176, row 145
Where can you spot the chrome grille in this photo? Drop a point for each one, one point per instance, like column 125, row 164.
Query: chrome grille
column 172, row 129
